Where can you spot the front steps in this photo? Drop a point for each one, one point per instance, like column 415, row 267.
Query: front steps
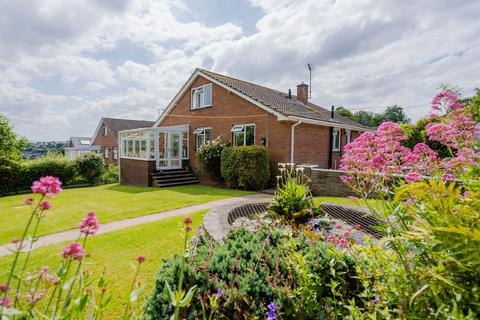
column 174, row 177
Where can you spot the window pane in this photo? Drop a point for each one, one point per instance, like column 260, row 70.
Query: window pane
column 143, row 149
column 130, row 148
column 161, row 145
column 137, row 149
column 199, row 140
column 238, row 139
column 208, row 135
column 185, row 145
column 152, row 145
column 250, row 135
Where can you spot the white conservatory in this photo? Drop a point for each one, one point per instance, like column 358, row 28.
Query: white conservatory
column 168, row 146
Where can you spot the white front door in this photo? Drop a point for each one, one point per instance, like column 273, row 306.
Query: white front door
column 167, row 150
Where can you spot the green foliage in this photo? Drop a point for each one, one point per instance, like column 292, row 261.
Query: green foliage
column 50, row 165
column 417, row 133
column 10, row 174
column 393, row 114
column 111, row 174
column 11, row 145
column 245, row 167
column 255, row 269
column 293, row 198
column 209, row 154
column 18, row 175
column 91, row 167
column 474, row 105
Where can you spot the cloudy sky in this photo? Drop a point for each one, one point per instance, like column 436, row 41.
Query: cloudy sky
column 65, row 64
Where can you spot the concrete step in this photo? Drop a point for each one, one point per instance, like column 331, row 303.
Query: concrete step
column 171, row 184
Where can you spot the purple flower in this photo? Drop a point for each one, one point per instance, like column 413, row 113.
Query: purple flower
column 220, row 292
column 272, row 311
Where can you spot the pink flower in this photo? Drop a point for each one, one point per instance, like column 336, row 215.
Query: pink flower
column 28, row 201
column 413, row 176
column 141, row 259
column 73, row 250
column 331, row 238
column 409, row 202
column 343, row 243
column 346, row 179
column 188, row 228
column 3, row 287
column 15, row 240
column 338, row 226
column 48, row 186
column 89, row 224
column 467, row 193
column 45, row 205
column 448, row 177
column 187, row 220
column 7, row 303
column 347, row 234
column 357, row 226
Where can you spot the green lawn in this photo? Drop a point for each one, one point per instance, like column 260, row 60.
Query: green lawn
column 109, row 202
column 113, row 253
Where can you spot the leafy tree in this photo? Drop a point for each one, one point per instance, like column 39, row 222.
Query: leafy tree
column 344, row 112
column 11, row 145
column 395, row 114
column 473, row 104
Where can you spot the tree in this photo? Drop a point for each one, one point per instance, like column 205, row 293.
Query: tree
column 395, row 114
column 344, row 112
column 366, row 118
column 11, row 145
column 473, row 104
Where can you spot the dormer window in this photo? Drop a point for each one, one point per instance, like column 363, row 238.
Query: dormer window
column 202, row 96
column 105, row 131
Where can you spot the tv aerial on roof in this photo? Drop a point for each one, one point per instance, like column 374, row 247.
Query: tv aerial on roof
column 310, row 69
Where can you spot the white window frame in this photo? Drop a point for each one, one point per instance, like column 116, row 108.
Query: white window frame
column 336, row 139
column 115, row 153
column 201, row 132
column 105, row 152
column 200, row 90
column 348, row 134
column 243, row 128
column 105, row 131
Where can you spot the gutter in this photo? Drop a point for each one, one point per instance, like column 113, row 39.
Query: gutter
column 292, row 141
column 327, row 123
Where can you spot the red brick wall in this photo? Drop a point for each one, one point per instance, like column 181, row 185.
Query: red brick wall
column 109, row 141
column 136, row 172
column 312, row 142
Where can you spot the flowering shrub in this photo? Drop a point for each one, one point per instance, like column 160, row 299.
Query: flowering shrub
column 210, row 153
column 375, row 158
column 68, row 293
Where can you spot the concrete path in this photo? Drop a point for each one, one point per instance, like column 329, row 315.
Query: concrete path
column 126, row 223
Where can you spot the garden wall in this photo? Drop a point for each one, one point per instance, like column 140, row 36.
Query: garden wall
column 327, row 183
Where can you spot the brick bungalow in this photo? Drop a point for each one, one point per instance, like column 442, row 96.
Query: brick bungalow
column 106, row 135
column 211, row 105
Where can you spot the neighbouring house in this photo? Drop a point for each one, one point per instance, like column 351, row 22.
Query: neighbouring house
column 106, row 135
column 79, row 145
column 211, row 105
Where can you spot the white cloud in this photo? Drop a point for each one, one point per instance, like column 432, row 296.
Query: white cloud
column 62, row 65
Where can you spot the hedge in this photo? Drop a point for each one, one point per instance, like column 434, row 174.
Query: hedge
column 18, row 176
column 245, row 167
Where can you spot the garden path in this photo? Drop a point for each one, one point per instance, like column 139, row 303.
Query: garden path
column 70, row 235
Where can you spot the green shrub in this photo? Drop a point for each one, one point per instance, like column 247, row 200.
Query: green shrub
column 50, row 165
column 11, row 172
column 245, row 167
column 255, row 269
column 417, row 133
column 111, row 174
column 209, row 154
column 91, row 167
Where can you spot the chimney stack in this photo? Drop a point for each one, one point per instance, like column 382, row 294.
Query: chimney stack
column 302, row 93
